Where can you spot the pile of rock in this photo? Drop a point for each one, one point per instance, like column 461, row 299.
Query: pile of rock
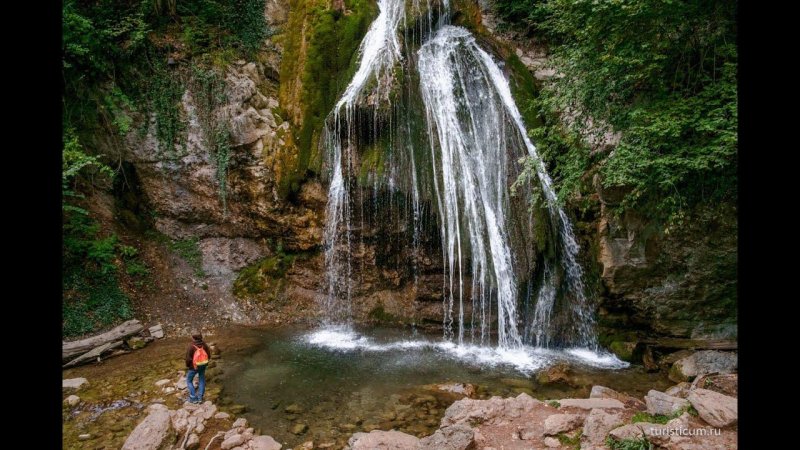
column 190, row 425
column 524, row 422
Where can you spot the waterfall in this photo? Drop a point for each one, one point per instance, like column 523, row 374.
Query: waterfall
column 379, row 51
column 475, row 137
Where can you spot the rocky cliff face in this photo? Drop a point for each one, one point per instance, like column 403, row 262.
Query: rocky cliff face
column 261, row 247
column 664, row 281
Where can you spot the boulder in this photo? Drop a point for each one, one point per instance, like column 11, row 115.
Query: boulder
column 468, row 410
column 156, row 331
column 627, row 400
column 561, row 423
column 151, row 431
column 552, row 442
column 717, row 409
column 72, row 400
column 701, row 363
column 135, row 342
column 465, row 389
column 239, row 423
column 294, row 408
column 264, row 443
column 455, row 437
column 222, row 415
column 74, row 384
column 625, row 432
column 590, row 403
column 181, row 383
column 598, row 423
column 727, row 384
column 680, row 390
column 663, row 404
column 383, row 440
column 193, row 442
column 162, row 383
column 232, row 441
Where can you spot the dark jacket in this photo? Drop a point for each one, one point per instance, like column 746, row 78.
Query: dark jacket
column 190, row 352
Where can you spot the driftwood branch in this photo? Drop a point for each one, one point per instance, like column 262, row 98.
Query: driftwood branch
column 119, row 333
column 94, row 353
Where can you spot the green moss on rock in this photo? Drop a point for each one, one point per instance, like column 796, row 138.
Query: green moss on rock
column 319, row 58
column 264, row 276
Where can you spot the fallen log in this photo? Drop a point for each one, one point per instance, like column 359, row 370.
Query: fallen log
column 129, row 328
column 695, row 344
column 94, row 353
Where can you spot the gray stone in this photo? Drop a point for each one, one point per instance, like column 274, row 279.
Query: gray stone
column 552, row 442
column 680, row 390
column 264, row 443
column 663, row 404
column 222, row 415
column 627, row 400
column 703, row 362
column 561, row 423
column 598, row 423
column 240, row 422
column 193, row 442
column 84, row 437
column 625, row 432
column 72, row 400
column 299, row 428
column 156, row 331
column 181, row 383
column 383, row 440
column 454, row 437
column 233, row 441
column 590, row 403
column 458, row 388
column 162, row 383
column 74, row 384
column 717, row 409
column 151, row 432
column 294, row 408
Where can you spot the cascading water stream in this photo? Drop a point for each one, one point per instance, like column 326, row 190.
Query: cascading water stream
column 379, row 50
column 475, row 135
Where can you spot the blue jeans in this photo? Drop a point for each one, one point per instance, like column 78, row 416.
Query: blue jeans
column 201, row 385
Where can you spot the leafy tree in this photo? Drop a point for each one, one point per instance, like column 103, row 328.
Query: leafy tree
column 661, row 73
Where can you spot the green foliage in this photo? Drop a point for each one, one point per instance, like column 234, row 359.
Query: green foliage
column 661, row 418
column 92, row 295
column 75, row 162
column 248, row 22
column 554, row 403
column 209, row 95
column 629, row 444
column 189, row 250
column 165, row 92
column 330, row 61
column 573, row 442
column 662, row 74
column 114, row 58
column 266, row 275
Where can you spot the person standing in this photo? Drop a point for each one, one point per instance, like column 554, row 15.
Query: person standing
column 197, row 357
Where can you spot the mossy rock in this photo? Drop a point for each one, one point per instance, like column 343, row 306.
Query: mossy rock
column 625, row 350
column 265, row 275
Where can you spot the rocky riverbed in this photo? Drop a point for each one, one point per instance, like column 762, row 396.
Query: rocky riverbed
column 136, row 401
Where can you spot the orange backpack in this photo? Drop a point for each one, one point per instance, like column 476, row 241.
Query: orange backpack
column 200, row 357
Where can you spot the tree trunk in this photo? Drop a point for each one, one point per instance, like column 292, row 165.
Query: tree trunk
column 97, row 351
column 129, row 328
